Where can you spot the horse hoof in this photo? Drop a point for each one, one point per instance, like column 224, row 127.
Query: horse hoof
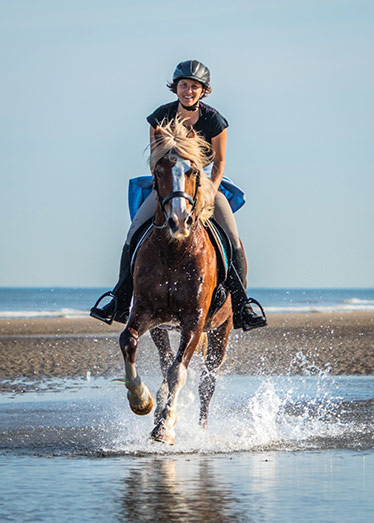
column 162, row 435
column 140, row 408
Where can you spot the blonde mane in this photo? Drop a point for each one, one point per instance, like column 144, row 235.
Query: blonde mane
column 186, row 143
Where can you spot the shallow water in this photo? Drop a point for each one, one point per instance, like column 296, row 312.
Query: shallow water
column 277, row 449
column 91, row 416
column 257, row 486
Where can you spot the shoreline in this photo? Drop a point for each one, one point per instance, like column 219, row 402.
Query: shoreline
column 294, row 343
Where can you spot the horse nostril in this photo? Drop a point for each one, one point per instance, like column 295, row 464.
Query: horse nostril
column 172, row 224
column 189, row 221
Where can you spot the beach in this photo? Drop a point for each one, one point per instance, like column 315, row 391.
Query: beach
column 63, row 433
column 335, row 343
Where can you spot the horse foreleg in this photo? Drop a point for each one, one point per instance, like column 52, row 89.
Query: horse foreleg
column 161, row 339
column 139, row 396
column 217, row 341
column 176, row 379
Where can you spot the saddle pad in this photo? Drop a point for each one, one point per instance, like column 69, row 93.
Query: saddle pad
column 221, row 244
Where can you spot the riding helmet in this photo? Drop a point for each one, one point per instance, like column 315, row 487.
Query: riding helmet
column 194, row 70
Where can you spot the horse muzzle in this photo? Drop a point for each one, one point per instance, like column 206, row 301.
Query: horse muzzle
column 180, row 224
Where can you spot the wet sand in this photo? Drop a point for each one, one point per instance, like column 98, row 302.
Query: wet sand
column 342, row 344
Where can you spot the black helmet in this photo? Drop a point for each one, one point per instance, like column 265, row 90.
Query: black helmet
column 194, row 70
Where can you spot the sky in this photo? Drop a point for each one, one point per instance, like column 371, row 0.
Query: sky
column 294, row 78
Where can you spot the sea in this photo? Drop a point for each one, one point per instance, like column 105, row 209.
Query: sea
column 72, row 302
column 278, row 448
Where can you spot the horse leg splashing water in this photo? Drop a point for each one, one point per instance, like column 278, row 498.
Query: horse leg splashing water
column 175, row 275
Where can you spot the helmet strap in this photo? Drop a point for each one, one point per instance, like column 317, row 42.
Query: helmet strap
column 190, row 108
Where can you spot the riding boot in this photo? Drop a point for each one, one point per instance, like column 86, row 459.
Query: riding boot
column 244, row 315
column 118, row 309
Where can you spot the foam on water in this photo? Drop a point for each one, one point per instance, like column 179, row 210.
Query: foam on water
column 60, row 313
column 358, row 301
column 348, row 306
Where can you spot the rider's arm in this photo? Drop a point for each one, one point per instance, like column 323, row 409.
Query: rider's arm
column 219, row 149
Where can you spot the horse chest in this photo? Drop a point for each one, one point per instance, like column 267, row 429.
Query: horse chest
column 171, row 281
column 177, row 285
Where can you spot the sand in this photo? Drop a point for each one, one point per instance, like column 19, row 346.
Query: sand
column 291, row 344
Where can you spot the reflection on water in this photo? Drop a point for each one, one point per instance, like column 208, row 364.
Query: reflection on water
column 263, row 486
column 171, row 489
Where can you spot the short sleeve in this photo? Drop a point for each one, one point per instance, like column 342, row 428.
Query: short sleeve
column 211, row 123
column 164, row 112
column 154, row 118
column 218, row 124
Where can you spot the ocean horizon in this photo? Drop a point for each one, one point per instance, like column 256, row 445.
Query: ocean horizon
column 75, row 302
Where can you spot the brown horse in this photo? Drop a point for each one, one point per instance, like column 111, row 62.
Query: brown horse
column 175, row 275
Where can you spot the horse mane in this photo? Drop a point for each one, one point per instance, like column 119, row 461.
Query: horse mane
column 186, row 143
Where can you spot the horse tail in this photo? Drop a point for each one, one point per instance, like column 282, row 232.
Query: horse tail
column 202, row 346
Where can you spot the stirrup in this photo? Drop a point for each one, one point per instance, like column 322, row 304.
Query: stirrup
column 260, row 321
column 252, row 300
column 97, row 312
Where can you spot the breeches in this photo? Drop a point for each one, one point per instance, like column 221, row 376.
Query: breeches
column 222, row 213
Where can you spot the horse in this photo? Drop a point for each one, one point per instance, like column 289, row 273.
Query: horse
column 175, row 276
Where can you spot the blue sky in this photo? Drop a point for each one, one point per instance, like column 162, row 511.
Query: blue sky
column 294, row 79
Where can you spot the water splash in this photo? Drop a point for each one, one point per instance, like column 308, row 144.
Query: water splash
column 91, row 416
column 249, row 414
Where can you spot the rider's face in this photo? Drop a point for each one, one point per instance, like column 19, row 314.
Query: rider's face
column 189, row 91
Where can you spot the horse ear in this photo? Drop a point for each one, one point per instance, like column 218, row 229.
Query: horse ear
column 157, row 137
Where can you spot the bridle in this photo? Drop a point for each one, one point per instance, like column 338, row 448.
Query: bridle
column 175, row 194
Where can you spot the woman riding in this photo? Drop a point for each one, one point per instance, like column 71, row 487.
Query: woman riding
column 191, row 83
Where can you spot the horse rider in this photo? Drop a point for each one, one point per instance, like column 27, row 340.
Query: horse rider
column 191, row 83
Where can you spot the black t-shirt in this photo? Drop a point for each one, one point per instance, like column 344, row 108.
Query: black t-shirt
column 210, row 123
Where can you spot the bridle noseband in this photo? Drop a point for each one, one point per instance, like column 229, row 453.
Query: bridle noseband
column 178, row 194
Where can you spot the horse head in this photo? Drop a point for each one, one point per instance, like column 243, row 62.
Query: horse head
column 177, row 182
column 185, row 193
